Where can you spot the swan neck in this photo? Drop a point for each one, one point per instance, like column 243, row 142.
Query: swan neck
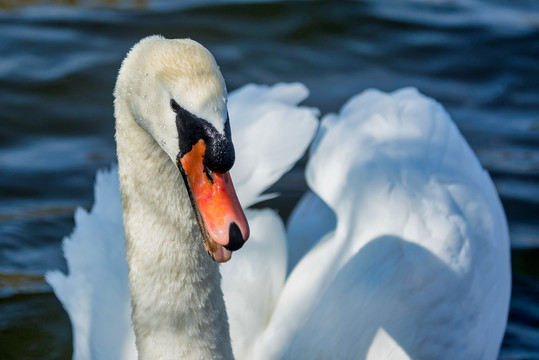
column 178, row 306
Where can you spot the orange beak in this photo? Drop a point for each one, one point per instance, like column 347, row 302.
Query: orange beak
column 216, row 205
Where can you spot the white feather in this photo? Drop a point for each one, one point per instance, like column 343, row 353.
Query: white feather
column 418, row 264
column 400, row 250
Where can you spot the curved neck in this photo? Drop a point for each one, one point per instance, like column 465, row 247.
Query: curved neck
column 178, row 306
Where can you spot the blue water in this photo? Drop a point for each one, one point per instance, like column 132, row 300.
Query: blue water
column 58, row 63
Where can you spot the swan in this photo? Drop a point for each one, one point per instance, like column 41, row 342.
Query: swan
column 171, row 111
column 400, row 249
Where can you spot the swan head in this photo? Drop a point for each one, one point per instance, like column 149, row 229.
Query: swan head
column 175, row 91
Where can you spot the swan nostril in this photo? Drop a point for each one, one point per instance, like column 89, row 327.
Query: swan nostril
column 235, row 238
column 209, row 173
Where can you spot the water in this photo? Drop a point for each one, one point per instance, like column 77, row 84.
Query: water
column 59, row 61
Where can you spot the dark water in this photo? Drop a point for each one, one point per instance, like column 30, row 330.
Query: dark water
column 58, row 64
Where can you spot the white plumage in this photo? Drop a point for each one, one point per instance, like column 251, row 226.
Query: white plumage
column 408, row 259
column 418, row 264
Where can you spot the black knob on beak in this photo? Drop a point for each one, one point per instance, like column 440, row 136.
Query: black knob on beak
column 235, row 238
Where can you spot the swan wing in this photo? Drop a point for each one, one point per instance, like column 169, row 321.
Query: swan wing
column 309, row 222
column 418, row 264
column 95, row 292
column 270, row 132
column 253, row 280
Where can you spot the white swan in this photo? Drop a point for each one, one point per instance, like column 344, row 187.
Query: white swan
column 179, row 310
column 410, row 259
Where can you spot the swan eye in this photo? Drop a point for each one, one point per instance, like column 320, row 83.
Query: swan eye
column 174, row 105
column 219, row 154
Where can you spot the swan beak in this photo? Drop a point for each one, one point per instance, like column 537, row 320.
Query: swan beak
column 217, row 208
